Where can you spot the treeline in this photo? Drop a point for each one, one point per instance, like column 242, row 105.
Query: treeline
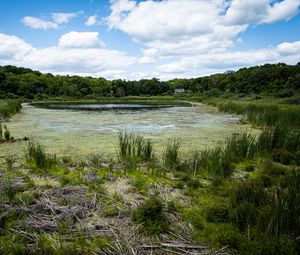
column 276, row 79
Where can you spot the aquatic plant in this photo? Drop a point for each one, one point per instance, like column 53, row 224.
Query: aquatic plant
column 35, row 153
column 238, row 147
column 9, row 160
column 9, row 108
column 6, row 133
column 134, row 146
column 10, row 191
column 264, row 114
column 171, row 154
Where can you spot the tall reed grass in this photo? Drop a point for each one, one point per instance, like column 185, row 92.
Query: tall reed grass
column 9, row 108
column 171, row 155
column 4, row 133
column 274, row 212
column 134, row 146
column 244, row 146
column 36, row 153
column 264, row 114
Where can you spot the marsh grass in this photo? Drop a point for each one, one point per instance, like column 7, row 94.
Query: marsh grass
column 9, row 108
column 36, row 153
column 284, row 218
column 239, row 147
column 264, row 114
column 151, row 216
column 10, row 191
column 9, row 160
column 6, row 133
column 134, row 146
column 171, row 155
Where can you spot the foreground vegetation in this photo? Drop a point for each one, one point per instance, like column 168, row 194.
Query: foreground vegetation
column 239, row 196
column 8, row 108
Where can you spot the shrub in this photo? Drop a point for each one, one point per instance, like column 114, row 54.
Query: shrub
column 283, row 156
column 194, row 184
column 223, row 234
column 152, row 216
column 272, row 169
column 217, row 213
column 246, row 200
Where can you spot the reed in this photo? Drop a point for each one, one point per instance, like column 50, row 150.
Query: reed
column 284, row 214
column 243, row 146
column 9, row 108
column 171, row 155
column 264, row 114
column 6, row 133
column 35, row 153
column 134, row 146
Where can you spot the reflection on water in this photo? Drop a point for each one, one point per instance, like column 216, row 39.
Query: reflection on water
column 103, row 107
column 80, row 132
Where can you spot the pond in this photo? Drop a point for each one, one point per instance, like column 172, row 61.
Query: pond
column 80, row 130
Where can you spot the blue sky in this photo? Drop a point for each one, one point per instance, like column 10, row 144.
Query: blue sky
column 143, row 39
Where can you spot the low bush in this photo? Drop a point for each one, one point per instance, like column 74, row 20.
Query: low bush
column 217, row 213
column 151, row 216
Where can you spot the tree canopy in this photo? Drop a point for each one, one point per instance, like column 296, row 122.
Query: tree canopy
column 276, row 79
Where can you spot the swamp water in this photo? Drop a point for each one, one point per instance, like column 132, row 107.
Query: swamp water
column 82, row 130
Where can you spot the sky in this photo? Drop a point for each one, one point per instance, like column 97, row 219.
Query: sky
column 141, row 39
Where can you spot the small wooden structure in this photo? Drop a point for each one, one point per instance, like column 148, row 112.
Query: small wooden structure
column 179, row 91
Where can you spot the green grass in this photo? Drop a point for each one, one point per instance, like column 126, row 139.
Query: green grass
column 240, row 147
column 134, row 146
column 9, row 108
column 171, row 155
column 36, row 154
column 264, row 114
column 151, row 216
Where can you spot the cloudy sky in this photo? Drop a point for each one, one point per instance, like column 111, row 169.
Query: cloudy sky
column 134, row 39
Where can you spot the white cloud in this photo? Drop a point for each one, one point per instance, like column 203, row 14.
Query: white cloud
column 37, row 23
column 80, row 40
column 112, row 64
column 91, row 20
column 95, row 61
column 288, row 48
column 62, row 17
column 215, row 62
column 282, row 11
column 149, row 56
column 261, row 11
column 57, row 18
column 13, row 48
column 176, row 27
column 150, row 20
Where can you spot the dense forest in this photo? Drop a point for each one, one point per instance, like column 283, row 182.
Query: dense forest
column 279, row 80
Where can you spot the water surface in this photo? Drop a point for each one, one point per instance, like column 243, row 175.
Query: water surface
column 81, row 132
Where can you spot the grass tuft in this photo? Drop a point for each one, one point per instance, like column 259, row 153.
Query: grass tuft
column 35, row 153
